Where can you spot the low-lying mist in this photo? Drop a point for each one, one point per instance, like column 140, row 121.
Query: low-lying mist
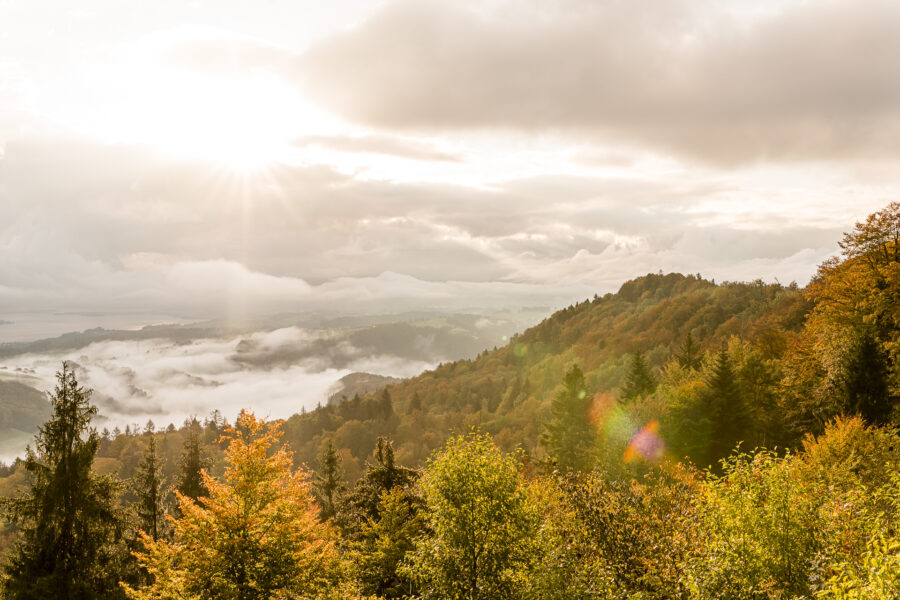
column 275, row 373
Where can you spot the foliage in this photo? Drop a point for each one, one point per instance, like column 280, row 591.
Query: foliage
column 149, row 488
column 639, row 382
column 481, row 526
column 70, row 535
column 191, row 482
column 257, row 535
column 635, row 536
column 568, row 435
column 384, row 543
column 758, row 531
column 328, row 484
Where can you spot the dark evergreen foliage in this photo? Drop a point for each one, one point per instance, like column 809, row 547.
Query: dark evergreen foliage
column 569, row 436
column 724, row 407
column 190, row 480
column 71, row 530
column 329, row 481
column 689, row 355
column 149, row 488
column 639, row 382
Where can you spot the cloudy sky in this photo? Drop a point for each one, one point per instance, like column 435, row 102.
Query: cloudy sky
column 209, row 158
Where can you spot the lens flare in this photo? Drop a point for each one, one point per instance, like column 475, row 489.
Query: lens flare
column 646, row 444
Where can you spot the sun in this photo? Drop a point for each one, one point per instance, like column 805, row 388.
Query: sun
column 243, row 121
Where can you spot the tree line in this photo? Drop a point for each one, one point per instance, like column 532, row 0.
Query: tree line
column 698, row 441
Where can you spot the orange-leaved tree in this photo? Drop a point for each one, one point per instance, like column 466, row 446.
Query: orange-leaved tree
column 256, row 536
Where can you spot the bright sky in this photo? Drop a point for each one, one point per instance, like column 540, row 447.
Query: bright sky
column 209, row 158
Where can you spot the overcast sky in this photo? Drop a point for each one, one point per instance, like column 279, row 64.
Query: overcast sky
column 208, row 158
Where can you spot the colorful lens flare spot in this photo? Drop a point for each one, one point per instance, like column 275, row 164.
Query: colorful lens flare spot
column 646, row 444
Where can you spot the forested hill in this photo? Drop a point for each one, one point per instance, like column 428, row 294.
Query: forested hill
column 640, row 420
column 507, row 391
column 708, row 366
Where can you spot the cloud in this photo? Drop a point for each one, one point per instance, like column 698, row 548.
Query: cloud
column 379, row 144
column 706, row 80
column 168, row 381
column 117, row 228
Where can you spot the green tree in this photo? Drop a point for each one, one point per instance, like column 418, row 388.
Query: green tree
column 689, row 355
column 382, row 475
column 256, row 536
column 149, row 488
column 482, row 528
column 328, row 484
column 568, row 435
column 724, row 406
column 384, row 544
column 639, row 382
column 191, row 482
column 69, row 544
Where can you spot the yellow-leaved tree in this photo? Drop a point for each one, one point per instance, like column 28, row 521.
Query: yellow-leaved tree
column 256, row 536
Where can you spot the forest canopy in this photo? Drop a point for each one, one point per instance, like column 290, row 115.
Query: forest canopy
column 678, row 439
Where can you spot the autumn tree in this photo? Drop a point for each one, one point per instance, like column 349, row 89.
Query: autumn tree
column 256, row 536
column 568, row 435
column 853, row 333
column 71, row 529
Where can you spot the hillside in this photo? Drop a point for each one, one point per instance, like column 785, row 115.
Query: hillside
column 22, row 407
column 507, row 391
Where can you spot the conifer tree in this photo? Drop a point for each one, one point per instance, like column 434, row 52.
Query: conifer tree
column 382, row 474
column 70, row 525
column 639, row 382
column 727, row 413
column 689, row 354
column 385, row 543
column 569, row 436
column 328, row 484
column 149, row 488
column 190, row 480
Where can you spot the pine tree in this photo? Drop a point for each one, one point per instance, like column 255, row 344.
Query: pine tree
column 385, row 543
column 382, row 475
column 190, row 480
column 689, row 354
column 569, row 436
column 639, row 382
column 328, row 483
column 71, row 528
column 149, row 488
column 725, row 407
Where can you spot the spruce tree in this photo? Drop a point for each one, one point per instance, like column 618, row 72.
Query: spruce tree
column 328, row 483
column 382, row 475
column 190, row 479
column 149, row 487
column 70, row 525
column 725, row 407
column 639, row 381
column 689, row 354
column 569, row 436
